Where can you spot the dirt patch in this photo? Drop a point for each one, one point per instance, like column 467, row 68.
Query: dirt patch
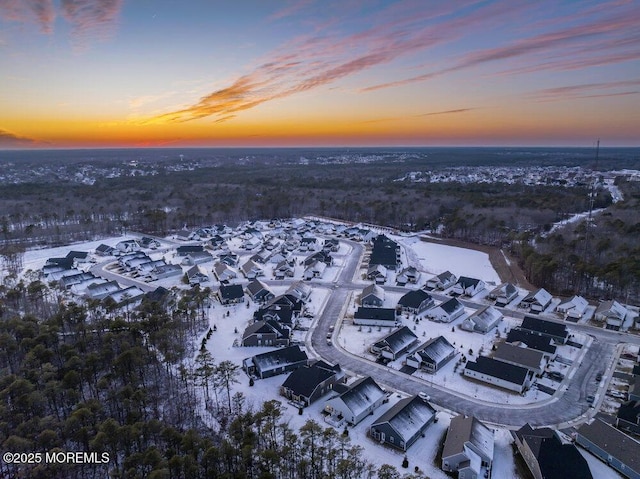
column 506, row 267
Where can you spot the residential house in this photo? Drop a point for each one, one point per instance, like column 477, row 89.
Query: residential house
column 372, row 296
column 287, row 301
column 104, row 250
column 357, row 402
column 447, row 311
column 314, row 270
column 283, row 270
column 228, row 258
column 223, row 272
column 395, row 343
column 407, row 275
column 537, row 301
column 628, row 417
column 532, row 341
column 258, row 292
column 375, row 317
column 633, row 393
column 186, row 235
column 278, row 361
column 67, row 282
column 499, row 373
column 503, row 294
column 556, row 331
column 468, row 286
column 468, row 448
column 573, row 308
column 415, row 302
column 165, row 271
column 79, row 257
column 404, row 423
column 482, row 320
column 230, row 294
column 198, row 257
column 151, row 243
column 385, row 252
column 129, row 295
column 377, row 273
column 612, row 314
column 612, row 446
column 547, row 457
column 188, row 249
column 101, row 290
column 299, row 290
column 196, row 276
column 320, row 256
column 80, row 288
column 261, row 257
column 432, row 355
column 331, row 245
column 521, row 356
column 307, row 384
column 441, row 281
column 127, row 246
column 217, row 241
column 266, row 333
column 251, row 270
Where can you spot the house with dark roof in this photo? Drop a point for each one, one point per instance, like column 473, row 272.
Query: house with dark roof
column 127, row 246
column 415, row 302
column 278, row 361
column 537, row 301
column 468, row 447
column 251, row 270
column 266, row 333
column 633, row 393
column 230, row 294
column 447, row 311
column 532, row 341
column 432, row 355
column 556, row 331
column 361, row 399
column 184, row 250
column 104, row 250
column 521, row 356
column 628, row 417
column 612, row 446
column 228, row 258
column 468, row 286
column 372, row 296
column 375, row 317
column 395, row 343
column 441, row 281
column 499, row 373
column 385, row 252
column 151, row 243
column 320, row 256
column 288, row 302
column 482, row 320
column 283, row 270
column 404, row 423
column 258, row 292
column 547, row 457
column 307, row 384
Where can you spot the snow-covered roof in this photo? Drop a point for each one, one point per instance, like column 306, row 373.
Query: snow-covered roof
column 436, row 349
column 361, row 395
column 408, row 416
column 576, row 303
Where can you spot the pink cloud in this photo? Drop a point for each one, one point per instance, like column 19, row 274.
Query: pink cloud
column 587, row 90
column 91, row 17
column 40, row 11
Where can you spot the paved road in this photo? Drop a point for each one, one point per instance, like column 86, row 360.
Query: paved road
column 567, row 406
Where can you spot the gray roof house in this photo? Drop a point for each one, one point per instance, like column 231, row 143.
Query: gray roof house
column 446, row 311
column 372, row 296
column 307, row 384
column 258, row 292
column 468, row 447
column 499, row 373
column 375, row 317
column 360, row 400
column 404, row 423
column 547, row 457
column 415, row 302
column 196, row 276
column 503, row 294
column 377, row 273
column 441, row 281
column 278, row 361
column 165, row 271
column 612, row 313
column 612, row 446
column 102, row 290
column 300, row 290
column 482, row 320
column 223, row 272
column 230, row 294
column 407, row 275
column 395, row 343
column 573, row 308
column 251, row 270
column 521, row 356
column 432, row 355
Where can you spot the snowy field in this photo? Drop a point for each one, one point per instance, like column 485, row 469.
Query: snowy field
column 434, row 258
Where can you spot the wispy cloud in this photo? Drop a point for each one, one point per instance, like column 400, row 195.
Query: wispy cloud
column 294, row 7
column 88, row 18
column 587, row 90
column 448, row 112
column 8, row 139
column 310, row 62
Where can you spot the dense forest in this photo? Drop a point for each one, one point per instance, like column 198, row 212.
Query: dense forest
column 590, row 261
column 78, row 378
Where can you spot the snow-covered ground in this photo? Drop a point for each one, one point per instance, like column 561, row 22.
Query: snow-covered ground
column 434, row 258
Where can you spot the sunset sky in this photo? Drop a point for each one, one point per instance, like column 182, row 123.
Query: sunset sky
column 135, row 73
